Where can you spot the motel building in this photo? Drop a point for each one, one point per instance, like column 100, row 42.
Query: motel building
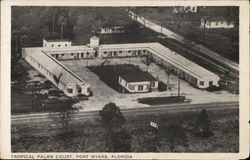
column 112, row 30
column 63, row 50
column 216, row 23
column 185, row 9
column 46, row 60
column 138, row 82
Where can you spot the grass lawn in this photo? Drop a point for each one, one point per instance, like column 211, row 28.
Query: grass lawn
column 110, row 73
column 90, row 136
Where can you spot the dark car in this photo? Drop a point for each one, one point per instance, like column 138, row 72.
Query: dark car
column 55, row 92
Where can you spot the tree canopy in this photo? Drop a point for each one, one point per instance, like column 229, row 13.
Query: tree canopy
column 111, row 116
column 203, row 122
column 42, row 22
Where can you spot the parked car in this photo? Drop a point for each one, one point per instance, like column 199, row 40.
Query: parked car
column 55, row 92
column 82, row 97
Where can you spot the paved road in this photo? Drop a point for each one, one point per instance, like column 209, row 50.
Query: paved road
column 199, row 47
column 158, row 109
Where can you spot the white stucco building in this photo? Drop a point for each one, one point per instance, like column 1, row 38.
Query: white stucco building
column 112, row 30
column 216, row 23
column 177, row 64
column 138, row 82
column 46, row 60
column 185, row 9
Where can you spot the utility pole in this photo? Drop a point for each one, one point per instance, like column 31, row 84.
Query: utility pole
column 161, row 29
column 53, row 23
column 179, row 86
column 61, row 31
column 32, row 99
column 204, row 31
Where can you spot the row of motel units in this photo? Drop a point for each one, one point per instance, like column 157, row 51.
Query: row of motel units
column 138, row 82
column 56, row 72
column 45, row 60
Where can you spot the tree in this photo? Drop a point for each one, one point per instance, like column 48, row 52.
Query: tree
column 147, row 61
column 168, row 72
column 112, row 119
column 111, row 116
column 62, row 21
column 63, row 112
column 202, row 127
column 62, row 116
column 57, row 79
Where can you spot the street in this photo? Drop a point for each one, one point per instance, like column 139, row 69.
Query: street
column 157, row 109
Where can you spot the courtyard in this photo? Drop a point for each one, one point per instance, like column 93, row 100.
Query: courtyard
column 103, row 93
column 110, row 74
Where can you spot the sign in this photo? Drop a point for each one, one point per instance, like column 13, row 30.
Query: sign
column 153, row 124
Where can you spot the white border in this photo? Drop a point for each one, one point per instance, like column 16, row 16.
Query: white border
column 244, row 72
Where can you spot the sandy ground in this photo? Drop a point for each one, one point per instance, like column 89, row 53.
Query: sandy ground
column 103, row 94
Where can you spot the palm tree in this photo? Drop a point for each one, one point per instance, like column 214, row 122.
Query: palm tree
column 62, row 21
column 147, row 61
column 57, row 79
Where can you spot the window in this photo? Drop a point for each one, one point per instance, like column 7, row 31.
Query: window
column 120, row 51
column 210, row 83
column 59, row 45
column 129, row 51
column 132, row 87
column 152, row 84
column 72, row 54
column 105, row 52
column 70, row 90
column 65, row 44
column 62, row 54
column 140, row 87
column 52, row 45
column 201, row 83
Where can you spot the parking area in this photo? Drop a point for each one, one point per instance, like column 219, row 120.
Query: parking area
column 103, row 94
